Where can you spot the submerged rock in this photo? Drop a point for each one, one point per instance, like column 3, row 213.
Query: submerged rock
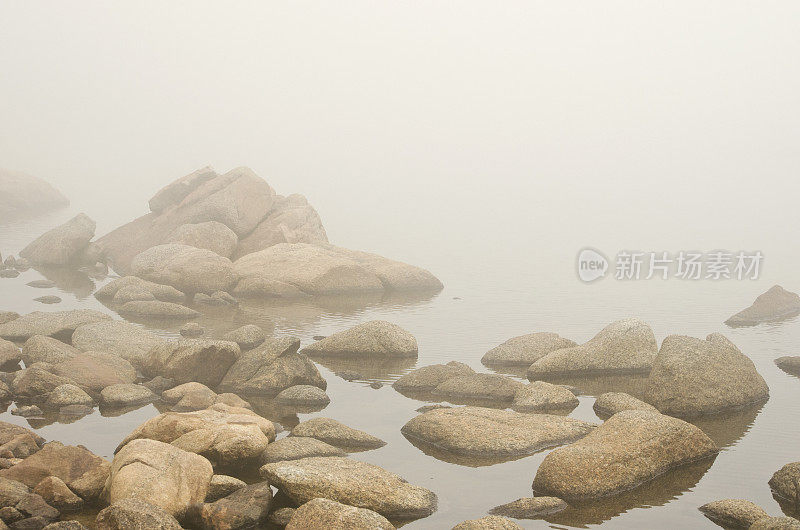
column 332, row 515
column 373, row 338
column 630, row 448
column 41, row 284
column 57, row 324
column 159, row 474
column 272, row 367
column 247, row 337
column 350, row 482
column 62, row 245
column 610, row 403
column 624, row 346
column 336, row 433
column 733, row 513
column 188, row 269
column 427, row 378
column 129, row 341
column 209, row 235
column 530, row 507
column 157, row 309
column 525, row 349
column 487, row 432
column 539, row 396
column 692, row 377
column 134, row 513
column 296, row 447
column 201, row 360
column 774, row 304
column 490, row 522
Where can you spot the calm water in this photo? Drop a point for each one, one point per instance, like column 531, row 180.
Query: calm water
column 495, row 288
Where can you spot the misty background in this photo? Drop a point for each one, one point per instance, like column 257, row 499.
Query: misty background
column 432, row 132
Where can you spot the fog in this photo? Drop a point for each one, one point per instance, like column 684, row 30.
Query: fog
column 435, row 124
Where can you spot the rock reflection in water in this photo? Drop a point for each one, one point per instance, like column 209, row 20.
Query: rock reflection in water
column 727, row 428
column 371, row 369
column 656, row 492
column 633, row 384
column 69, row 280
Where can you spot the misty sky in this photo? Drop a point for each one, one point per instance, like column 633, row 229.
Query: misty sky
column 484, row 123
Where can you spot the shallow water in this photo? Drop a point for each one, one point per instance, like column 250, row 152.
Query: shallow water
column 490, row 296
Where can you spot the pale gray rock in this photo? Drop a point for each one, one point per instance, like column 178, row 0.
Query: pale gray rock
column 525, row 349
column 774, row 304
column 540, row 396
column 126, row 395
column 630, row 448
column 57, row 324
column 692, row 377
column 789, row 364
column 624, row 346
column 175, row 192
column 350, row 482
column 376, row 338
column 200, row 360
column 209, row 235
column 49, row 299
column 247, row 337
column 164, row 293
column 337, row 434
column 188, row 269
column 296, row 447
column 63, row 245
column 427, row 378
column 733, row 513
column 41, row 284
column 479, row 387
column 129, row 341
column 332, row 515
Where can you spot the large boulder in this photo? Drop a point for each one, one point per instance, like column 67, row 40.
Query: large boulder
column 227, row 436
column 22, row 195
column 174, row 192
column 129, row 341
column 630, row 448
column 93, row 371
column 63, row 245
column 43, row 349
column 131, row 288
column 188, row 269
column 692, row 377
column 485, row 432
column 246, row 507
column 337, row 434
column 66, row 395
column 624, row 346
column 67, row 462
column 376, row 338
column 57, row 324
column 525, row 349
column 302, row 268
column 426, row 378
column 350, row 482
column 35, row 382
column 774, row 304
column 292, row 220
column 200, row 360
column 160, row 474
column 332, row 515
column 272, row 367
column 134, row 513
column 209, row 235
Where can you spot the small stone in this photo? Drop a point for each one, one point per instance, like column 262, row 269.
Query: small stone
column 159, row 384
column 376, row 338
column 41, row 284
column 540, row 396
column 349, row 375
column 247, row 337
column 192, row 329
column 50, row 299
column 490, row 522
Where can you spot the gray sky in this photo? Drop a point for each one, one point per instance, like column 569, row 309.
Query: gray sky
column 501, row 122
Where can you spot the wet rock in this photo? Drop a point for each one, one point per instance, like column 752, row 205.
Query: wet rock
column 429, row 377
column 789, row 364
column 67, row 462
column 41, row 284
column 774, row 304
column 27, row 411
column 50, row 299
column 56, row 324
column 296, row 447
column 57, row 494
column 209, row 235
column 784, row 483
column 246, row 507
column 126, row 395
column 487, row 432
column 227, row 436
column 733, row 513
column 270, row 368
column 62, row 245
column 18, row 442
column 10, row 356
column 332, row 515
column 157, row 309
column 624, row 346
column 376, row 338
column 291, row 220
column 247, row 337
column 134, row 513
column 164, row 293
column 610, row 403
column 94, row 371
column 350, row 482
column 192, row 329
column 8, row 273
column 480, row 387
column 35, row 382
column 692, row 377
column 222, row 486
column 201, row 360
column 630, row 448
column 129, row 341
column 776, row 523
column 41, row 349
column 303, row 395
column 159, row 384
column 539, row 396
column 525, row 349
column 530, row 507
column 22, row 194
column 295, row 269
column 490, row 522
column 188, row 269
column 335, row 433
column 159, row 474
